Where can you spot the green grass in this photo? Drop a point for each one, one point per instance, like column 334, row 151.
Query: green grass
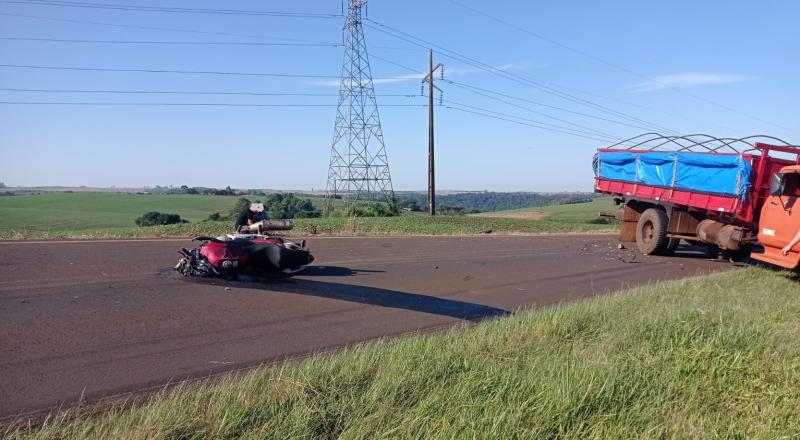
column 708, row 357
column 84, row 211
column 570, row 213
column 111, row 215
column 362, row 226
column 102, row 214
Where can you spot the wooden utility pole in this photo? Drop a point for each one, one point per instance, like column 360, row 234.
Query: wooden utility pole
column 431, row 169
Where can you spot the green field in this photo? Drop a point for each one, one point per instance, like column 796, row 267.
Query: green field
column 77, row 212
column 111, row 215
column 573, row 212
column 708, row 357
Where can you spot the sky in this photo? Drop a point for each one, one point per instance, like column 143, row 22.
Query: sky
column 609, row 69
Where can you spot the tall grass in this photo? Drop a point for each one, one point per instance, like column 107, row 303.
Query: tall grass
column 709, row 357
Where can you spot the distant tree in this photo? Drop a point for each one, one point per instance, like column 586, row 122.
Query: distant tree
column 2, row 185
column 290, row 206
column 495, row 201
column 154, row 218
column 409, row 205
column 215, row 217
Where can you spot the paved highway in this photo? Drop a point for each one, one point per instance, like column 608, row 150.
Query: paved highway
column 103, row 318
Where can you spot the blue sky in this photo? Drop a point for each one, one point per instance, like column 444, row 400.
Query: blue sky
column 681, row 64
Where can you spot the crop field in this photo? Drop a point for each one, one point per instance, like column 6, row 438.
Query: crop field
column 111, row 215
column 570, row 213
column 706, row 357
column 70, row 213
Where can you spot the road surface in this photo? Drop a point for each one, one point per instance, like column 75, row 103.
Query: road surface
column 104, row 318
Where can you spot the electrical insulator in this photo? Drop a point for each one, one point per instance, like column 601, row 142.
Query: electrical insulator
column 441, row 72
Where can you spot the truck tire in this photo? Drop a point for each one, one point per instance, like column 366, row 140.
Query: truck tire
column 651, row 232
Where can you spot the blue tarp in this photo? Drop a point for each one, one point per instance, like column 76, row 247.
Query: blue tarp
column 656, row 169
column 702, row 172
column 620, row 165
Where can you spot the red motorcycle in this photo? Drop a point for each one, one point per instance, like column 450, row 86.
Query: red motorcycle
column 234, row 254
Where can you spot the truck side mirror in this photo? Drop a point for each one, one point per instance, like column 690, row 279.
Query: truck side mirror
column 777, row 184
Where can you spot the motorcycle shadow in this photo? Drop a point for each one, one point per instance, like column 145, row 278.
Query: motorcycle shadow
column 335, row 271
column 373, row 296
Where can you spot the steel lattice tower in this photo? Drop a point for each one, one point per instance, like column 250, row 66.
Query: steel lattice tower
column 359, row 168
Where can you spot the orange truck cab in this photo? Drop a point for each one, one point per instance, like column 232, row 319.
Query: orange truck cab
column 780, row 219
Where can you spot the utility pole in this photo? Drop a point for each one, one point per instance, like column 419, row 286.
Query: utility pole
column 431, row 169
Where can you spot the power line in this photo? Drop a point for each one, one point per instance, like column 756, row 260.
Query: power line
column 560, row 128
column 188, row 92
column 468, row 88
column 142, row 8
column 555, row 118
column 487, row 115
column 617, row 66
column 158, row 28
column 648, row 108
column 189, row 104
column 185, row 72
column 391, row 31
column 478, row 90
column 410, row 69
column 187, row 43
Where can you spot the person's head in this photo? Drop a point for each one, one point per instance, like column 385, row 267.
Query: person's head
column 257, row 207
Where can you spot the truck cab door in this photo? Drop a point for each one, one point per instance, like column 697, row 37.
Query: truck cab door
column 780, row 219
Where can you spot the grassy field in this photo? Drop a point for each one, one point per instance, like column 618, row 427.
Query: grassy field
column 708, row 357
column 569, row 213
column 78, row 214
column 111, row 215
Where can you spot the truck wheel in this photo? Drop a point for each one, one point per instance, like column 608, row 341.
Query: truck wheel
column 651, row 232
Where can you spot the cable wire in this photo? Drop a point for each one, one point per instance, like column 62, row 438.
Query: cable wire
column 188, row 104
column 478, row 90
column 186, row 72
column 618, row 67
column 157, row 28
column 396, row 33
column 142, row 8
column 559, row 128
column 188, row 92
column 468, row 88
column 187, row 43
column 521, row 123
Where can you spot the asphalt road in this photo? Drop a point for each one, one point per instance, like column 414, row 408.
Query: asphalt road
column 95, row 319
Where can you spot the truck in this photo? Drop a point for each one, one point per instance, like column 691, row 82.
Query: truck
column 736, row 197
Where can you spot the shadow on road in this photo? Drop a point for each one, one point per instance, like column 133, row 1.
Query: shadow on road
column 335, row 271
column 386, row 298
column 364, row 294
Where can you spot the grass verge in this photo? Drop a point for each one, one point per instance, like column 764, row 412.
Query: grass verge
column 402, row 225
column 713, row 356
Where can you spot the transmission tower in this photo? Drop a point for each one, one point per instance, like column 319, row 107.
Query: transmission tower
column 359, row 168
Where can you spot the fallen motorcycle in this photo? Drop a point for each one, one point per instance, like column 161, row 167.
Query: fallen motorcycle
column 253, row 253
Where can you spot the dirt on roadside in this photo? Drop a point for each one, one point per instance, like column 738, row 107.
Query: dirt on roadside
column 527, row 215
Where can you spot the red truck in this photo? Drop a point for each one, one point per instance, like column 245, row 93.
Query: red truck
column 733, row 195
